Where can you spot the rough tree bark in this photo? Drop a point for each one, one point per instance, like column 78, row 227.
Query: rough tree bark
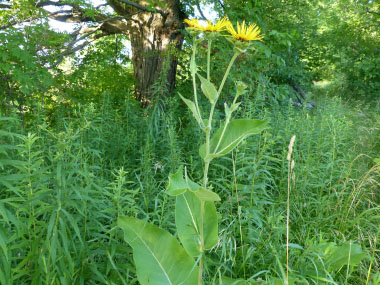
column 154, row 34
column 154, row 37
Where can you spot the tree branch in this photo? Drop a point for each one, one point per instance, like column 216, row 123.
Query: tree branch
column 200, row 10
column 221, row 4
column 13, row 23
column 373, row 12
column 71, row 49
column 52, row 3
column 69, row 17
column 5, row 6
column 138, row 6
column 75, row 15
column 107, row 27
column 101, row 5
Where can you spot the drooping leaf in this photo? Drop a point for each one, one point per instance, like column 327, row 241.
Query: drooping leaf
column 206, row 195
column 236, row 131
column 188, row 221
column 158, row 256
column 208, row 89
column 192, row 108
column 178, row 184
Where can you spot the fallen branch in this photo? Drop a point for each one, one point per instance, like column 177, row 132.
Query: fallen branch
column 302, row 93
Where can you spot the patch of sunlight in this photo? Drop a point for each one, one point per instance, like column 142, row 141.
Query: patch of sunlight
column 322, row 84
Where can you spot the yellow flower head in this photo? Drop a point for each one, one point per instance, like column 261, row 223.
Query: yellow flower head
column 194, row 24
column 245, row 33
column 203, row 26
column 219, row 26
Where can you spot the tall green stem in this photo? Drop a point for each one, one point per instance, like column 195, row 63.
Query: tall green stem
column 200, row 276
column 236, row 54
column 205, row 174
column 209, row 58
column 194, row 79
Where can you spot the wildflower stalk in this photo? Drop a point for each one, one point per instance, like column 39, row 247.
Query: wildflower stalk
column 167, row 257
column 208, row 137
column 208, row 128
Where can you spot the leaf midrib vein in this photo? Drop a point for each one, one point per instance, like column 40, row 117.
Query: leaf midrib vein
column 158, row 262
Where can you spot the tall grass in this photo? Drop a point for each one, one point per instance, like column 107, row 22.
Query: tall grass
column 65, row 182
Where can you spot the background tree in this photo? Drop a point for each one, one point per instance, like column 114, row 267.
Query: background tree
column 153, row 28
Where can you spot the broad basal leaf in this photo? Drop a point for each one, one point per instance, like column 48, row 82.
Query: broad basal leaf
column 178, row 184
column 236, row 131
column 158, row 256
column 208, row 89
column 188, row 220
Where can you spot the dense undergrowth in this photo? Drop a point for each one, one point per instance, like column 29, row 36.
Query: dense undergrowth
column 72, row 173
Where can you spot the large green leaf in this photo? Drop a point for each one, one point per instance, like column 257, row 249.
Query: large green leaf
column 236, row 131
column 208, row 89
column 178, row 184
column 158, row 256
column 188, row 221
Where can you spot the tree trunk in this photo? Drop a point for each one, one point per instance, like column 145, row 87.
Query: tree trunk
column 155, row 38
